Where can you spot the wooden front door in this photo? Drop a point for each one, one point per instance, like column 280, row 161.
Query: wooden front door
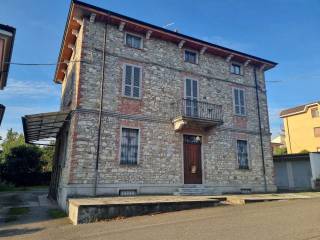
column 192, row 159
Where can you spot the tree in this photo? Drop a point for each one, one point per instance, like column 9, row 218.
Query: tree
column 304, row 151
column 47, row 157
column 13, row 139
column 23, row 165
column 280, row 151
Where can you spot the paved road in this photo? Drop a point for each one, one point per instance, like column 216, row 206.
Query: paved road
column 294, row 219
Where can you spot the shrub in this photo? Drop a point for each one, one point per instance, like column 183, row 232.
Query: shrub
column 23, row 167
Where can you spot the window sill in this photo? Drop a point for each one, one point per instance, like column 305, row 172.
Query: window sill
column 128, row 165
column 241, row 75
column 244, row 169
column 141, row 49
column 132, row 98
column 192, row 63
column 239, row 115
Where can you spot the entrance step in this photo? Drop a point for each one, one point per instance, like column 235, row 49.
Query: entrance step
column 194, row 190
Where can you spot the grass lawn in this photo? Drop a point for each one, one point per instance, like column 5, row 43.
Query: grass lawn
column 10, row 188
column 56, row 213
column 14, row 213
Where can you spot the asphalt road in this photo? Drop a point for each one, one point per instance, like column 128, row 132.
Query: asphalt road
column 294, row 219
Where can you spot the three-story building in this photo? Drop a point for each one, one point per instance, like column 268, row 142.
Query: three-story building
column 146, row 110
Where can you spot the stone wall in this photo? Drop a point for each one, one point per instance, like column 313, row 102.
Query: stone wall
column 163, row 75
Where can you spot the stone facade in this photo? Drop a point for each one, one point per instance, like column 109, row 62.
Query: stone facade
column 160, row 164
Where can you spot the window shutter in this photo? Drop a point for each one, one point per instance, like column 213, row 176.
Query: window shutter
column 239, row 102
column 195, row 89
column 188, row 88
column 136, row 82
column 132, row 81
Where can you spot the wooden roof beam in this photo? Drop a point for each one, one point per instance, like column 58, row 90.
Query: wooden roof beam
column 181, row 43
column 93, row 17
column 75, row 32
column 203, row 50
column 247, row 62
column 121, row 26
column 148, row 34
column 228, row 59
column 78, row 20
column 71, row 46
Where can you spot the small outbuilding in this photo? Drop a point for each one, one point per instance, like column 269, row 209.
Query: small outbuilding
column 295, row 172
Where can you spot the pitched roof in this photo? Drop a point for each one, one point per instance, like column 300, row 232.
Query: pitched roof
column 7, row 35
column 297, row 109
column 80, row 9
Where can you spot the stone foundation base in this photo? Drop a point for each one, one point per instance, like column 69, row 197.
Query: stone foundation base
column 87, row 190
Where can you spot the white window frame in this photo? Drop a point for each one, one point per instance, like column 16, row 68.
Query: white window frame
column 237, row 64
column 124, row 81
column 234, row 102
column 120, row 142
column 135, row 35
column 192, row 51
column 185, row 91
column 185, row 87
column 248, row 155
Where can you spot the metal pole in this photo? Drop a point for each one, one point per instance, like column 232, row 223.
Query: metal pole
column 100, row 110
column 260, row 131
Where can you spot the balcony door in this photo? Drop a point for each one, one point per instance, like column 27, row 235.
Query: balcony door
column 191, row 92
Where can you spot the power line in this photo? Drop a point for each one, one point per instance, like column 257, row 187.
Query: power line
column 40, row 64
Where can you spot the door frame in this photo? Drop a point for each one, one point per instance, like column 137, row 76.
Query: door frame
column 202, row 159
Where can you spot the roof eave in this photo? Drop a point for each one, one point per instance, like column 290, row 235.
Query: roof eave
column 91, row 8
column 12, row 30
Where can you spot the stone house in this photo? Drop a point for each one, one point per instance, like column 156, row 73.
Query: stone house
column 146, row 110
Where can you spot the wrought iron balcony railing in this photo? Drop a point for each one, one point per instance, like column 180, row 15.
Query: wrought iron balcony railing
column 195, row 109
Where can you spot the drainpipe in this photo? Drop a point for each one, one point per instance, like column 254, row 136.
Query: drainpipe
column 100, row 110
column 289, row 134
column 260, row 130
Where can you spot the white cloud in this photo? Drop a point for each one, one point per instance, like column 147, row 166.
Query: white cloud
column 30, row 89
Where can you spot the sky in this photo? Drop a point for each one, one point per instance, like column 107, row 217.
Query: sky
column 284, row 31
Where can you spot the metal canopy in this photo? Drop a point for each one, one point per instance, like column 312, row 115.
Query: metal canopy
column 43, row 126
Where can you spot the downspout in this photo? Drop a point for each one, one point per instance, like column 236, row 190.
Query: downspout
column 260, row 130
column 289, row 134
column 100, row 110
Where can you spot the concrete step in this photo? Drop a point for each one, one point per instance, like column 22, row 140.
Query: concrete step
column 196, row 190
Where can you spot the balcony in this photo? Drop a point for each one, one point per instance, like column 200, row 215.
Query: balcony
column 194, row 113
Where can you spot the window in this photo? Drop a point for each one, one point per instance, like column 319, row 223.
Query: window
column 191, row 97
column 315, row 112
column 235, row 69
column 239, row 102
column 129, row 146
column 132, row 81
column 316, row 131
column 318, row 149
column 133, row 41
column 242, row 153
column 190, row 56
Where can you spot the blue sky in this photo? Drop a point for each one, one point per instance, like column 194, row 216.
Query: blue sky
column 285, row 31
